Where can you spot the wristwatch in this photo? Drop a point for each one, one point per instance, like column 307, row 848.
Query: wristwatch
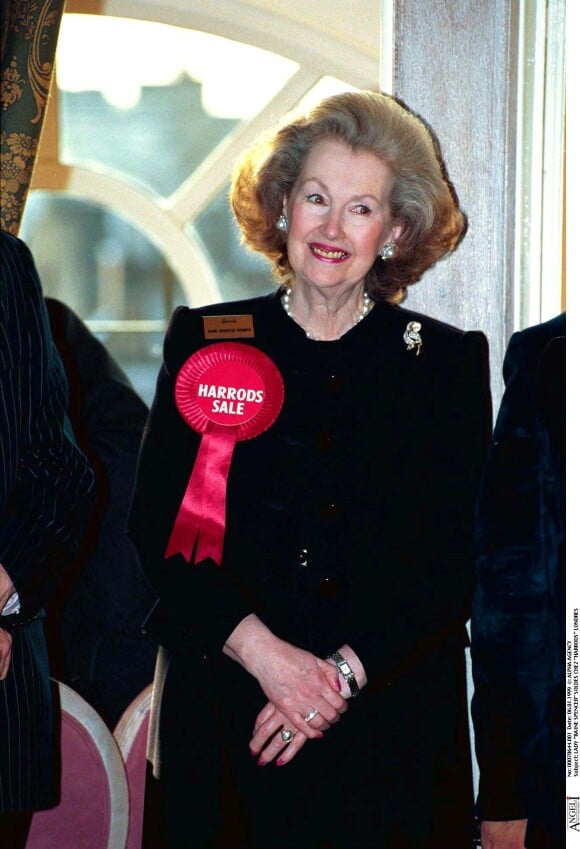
column 346, row 672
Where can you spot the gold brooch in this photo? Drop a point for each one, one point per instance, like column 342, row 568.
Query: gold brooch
column 412, row 337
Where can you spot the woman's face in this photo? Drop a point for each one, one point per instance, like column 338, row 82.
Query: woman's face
column 338, row 216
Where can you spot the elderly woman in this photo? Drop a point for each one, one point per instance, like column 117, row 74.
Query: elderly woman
column 312, row 555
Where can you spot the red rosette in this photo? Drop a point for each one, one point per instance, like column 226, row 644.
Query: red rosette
column 244, row 370
column 227, row 392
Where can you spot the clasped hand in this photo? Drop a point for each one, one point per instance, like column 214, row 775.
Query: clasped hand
column 507, row 834
column 5, row 652
column 297, row 683
column 6, row 590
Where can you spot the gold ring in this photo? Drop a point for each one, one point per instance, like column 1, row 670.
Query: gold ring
column 287, row 735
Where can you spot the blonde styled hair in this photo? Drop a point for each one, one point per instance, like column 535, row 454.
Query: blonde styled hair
column 421, row 199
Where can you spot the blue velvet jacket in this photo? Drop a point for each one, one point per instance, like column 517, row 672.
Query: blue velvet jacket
column 517, row 622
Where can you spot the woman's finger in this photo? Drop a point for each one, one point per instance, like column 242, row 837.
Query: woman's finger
column 264, row 732
column 291, row 750
column 270, row 720
column 270, row 731
column 317, row 725
column 282, row 749
column 332, row 676
column 265, row 714
column 326, row 711
column 316, row 719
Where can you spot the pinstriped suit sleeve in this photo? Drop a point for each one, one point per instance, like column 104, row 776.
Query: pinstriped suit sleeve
column 45, row 481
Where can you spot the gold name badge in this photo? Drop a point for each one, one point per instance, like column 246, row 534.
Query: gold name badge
column 228, row 326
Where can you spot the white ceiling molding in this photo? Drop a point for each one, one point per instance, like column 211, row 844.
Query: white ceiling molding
column 319, row 35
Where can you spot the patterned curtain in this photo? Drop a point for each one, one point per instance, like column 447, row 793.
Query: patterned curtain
column 29, row 36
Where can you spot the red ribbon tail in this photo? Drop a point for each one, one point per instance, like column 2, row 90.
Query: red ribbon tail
column 187, row 525
column 202, row 515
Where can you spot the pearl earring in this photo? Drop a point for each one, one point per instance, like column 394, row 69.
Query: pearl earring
column 388, row 251
column 282, row 223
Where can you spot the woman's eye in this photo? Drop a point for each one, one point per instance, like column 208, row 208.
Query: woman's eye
column 314, row 198
column 362, row 209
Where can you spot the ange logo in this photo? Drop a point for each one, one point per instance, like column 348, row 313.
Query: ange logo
column 573, row 812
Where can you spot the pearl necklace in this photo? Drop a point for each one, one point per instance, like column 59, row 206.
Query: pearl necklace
column 287, row 304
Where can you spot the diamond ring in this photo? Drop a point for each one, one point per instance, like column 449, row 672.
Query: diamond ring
column 287, row 735
column 311, row 715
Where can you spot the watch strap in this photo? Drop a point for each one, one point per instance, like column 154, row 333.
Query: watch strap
column 345, row 670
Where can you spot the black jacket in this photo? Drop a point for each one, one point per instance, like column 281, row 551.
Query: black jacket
column 349, row 520
column 46, row 488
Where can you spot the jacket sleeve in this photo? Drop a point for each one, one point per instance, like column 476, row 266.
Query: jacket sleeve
column 423, row 599
column 46, row 483
column 199, row 606
column 518, row 537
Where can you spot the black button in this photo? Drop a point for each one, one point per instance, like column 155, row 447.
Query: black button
column 334, row 384
column 323, row 441
column 330, row 512
column 328, row 588
column 302, row 557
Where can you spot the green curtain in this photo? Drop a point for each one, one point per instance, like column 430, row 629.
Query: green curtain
column 29, row 37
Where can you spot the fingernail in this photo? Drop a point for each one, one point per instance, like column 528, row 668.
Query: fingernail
column 280, row 762
column 337, row 685
column 254, row 754
column 261, row 762
column 320, row 735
